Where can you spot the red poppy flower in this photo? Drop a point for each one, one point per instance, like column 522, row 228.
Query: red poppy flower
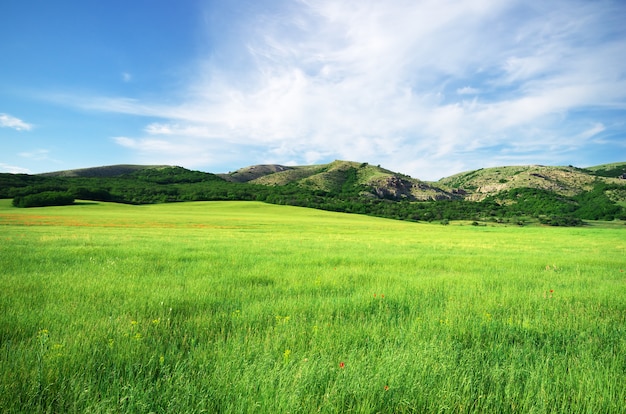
column 342, row 365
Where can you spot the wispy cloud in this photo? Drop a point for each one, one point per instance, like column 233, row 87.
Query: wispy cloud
column 39, row 154
column 184, row 151
column 8, row 121
column 12, row 169
column 418, row 87
column 467, row 90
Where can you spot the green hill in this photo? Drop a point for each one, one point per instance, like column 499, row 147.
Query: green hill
column 247, row 174
column 479, row 184
column 614, row 170
column 555, row 195
column 341, row 176
column 105, row 171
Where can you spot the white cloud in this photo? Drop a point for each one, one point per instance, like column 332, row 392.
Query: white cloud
column 182, row 151
column 12, row 169
column 125, row 142
column 8, row 121
column 389, row 83
column 467, row 90
column 593, row 131
column 36, row 155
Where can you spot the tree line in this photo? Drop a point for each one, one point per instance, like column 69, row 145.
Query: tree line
column 177, row 184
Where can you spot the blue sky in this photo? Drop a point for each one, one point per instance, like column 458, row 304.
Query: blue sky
column 427, row 88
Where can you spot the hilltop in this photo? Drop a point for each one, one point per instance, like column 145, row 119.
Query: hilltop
column 337, row 175
column 567, row 181
column 105, row 171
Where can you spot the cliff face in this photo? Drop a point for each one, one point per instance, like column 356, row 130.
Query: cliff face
column 398, row 188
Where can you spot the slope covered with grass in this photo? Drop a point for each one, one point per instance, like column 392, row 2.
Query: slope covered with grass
column 249, row 307
column 567, row 181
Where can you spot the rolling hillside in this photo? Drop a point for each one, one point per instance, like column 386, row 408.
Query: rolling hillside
column 105, row 171
column 481, row 183
column 373, row 181
column 554, row 195
column 378, row 182
column 566, row 181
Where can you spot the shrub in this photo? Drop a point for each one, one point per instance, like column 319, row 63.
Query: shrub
column 565, row 221
column 47, row 198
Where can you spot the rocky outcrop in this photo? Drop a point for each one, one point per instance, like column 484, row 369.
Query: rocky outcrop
column 398, row 188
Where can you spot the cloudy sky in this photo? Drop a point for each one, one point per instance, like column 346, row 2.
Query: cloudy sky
column 428, row 88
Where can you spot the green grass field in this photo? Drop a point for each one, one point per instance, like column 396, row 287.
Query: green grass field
column 236, row 307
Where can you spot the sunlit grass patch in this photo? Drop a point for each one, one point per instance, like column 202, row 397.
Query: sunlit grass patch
column 246, row 307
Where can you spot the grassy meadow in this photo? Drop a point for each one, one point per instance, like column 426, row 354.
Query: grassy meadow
column 237, row 307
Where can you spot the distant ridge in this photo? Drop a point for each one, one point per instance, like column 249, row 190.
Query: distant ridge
column 104, row 171
column 247, row 174
column 333, row 177
column 616, row 169
column 551, row 195
column 565, row 181
column 472, row 185
column 379, row 182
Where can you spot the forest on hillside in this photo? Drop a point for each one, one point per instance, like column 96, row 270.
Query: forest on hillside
column 176, row 184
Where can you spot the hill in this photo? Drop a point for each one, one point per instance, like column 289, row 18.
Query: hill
column 479, row 184
column 614, row 170
column 104, row 171
column 554, row 195
column 337, row 176
column 251, row 173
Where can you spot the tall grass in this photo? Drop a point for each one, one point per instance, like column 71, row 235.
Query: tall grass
column 246, row 307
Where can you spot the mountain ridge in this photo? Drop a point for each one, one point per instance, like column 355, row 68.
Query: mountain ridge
column 473, row 185
column 102, row 171
column 507, row 194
